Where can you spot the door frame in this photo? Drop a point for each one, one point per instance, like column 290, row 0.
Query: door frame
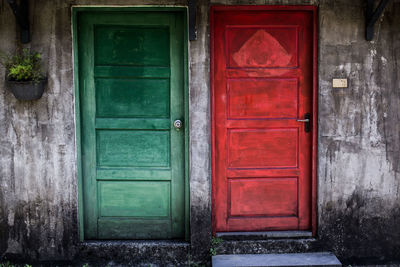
column 75, row 11
column 314, row 149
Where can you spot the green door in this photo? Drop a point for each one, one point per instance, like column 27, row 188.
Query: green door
column 131, row 80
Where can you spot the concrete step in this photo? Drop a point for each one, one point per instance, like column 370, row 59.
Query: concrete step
column 264, row 235
column 292, row 259
column 268, row 246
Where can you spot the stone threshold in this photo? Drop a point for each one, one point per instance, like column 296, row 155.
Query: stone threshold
column 264, row 235
column 265, row 246
column 277, row 260
column 135, row 252
column 107, row 243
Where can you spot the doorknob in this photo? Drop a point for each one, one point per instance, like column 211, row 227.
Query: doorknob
column 178, row 124
column 307, row 121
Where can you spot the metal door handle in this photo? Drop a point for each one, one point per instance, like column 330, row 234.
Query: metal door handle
column 178, row 124
column 307, row 122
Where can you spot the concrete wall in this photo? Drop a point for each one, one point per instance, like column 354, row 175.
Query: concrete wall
column 359, row 134
column 38, row 200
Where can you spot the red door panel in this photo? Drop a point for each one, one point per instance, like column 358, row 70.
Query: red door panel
column 262, row 83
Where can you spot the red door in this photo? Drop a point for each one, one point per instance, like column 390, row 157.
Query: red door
column 262, row 85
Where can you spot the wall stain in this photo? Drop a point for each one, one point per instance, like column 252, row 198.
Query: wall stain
column 349, row 229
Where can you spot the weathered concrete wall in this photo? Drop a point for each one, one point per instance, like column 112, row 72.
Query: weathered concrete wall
column 38, row 200
column 200, row 136
column 359, row 134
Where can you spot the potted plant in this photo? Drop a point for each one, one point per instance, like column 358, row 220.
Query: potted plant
column 23, row 75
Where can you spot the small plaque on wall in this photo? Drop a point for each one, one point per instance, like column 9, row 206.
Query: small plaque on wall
column 339, row 83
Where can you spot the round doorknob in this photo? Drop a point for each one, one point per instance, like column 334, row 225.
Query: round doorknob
column 178, row 124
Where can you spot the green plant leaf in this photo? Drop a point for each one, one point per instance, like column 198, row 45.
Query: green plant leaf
column 24, row 66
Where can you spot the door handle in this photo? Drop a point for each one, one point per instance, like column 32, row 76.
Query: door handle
column 307, row 122
column 178, row 124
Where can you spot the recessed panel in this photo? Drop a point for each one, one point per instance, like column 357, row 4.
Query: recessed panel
column 132, row 198
column 262, row 47
column 131, row 45
column 127, row 98
column 129, row 228
column 263, row 148
column 262, row 197
column 262, row 98
column 130, row 148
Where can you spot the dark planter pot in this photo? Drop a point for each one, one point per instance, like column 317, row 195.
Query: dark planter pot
column 27, row 90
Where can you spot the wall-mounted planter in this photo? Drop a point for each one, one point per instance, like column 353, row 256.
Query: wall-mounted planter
column 26, row 90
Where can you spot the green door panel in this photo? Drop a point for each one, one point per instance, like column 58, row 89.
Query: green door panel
column 132, row 199
column 124, row 97
column 132, row 84
column 132, row 45
column 122, row 228
column 133, row 148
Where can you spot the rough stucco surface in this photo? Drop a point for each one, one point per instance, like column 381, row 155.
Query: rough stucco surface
column 359, row 201
column 200, row 137
column 358, row 148
column 38, row 202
